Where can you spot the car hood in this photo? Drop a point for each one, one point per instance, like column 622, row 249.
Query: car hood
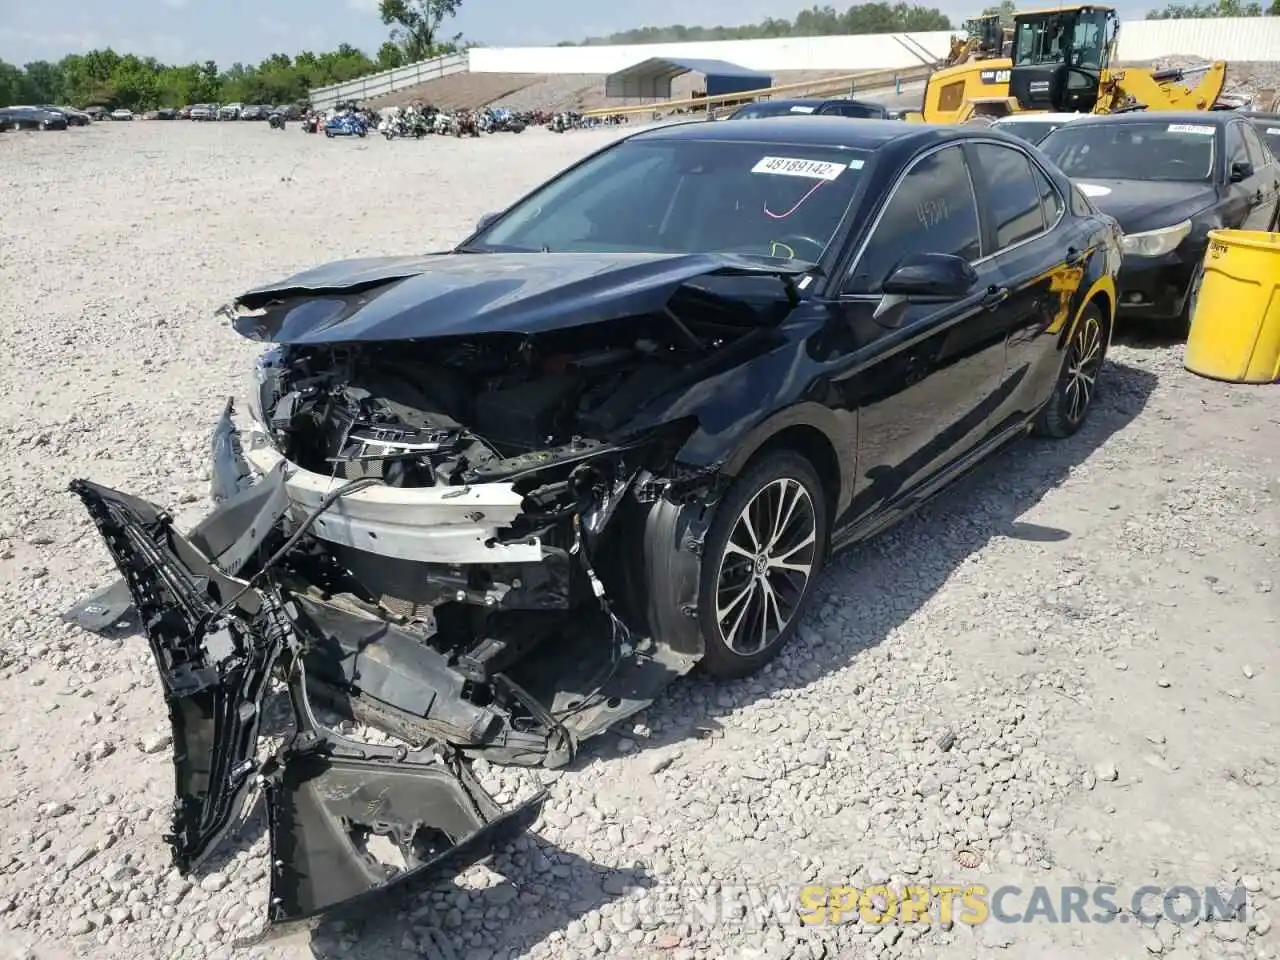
column 450, row 294
column 1146, row 205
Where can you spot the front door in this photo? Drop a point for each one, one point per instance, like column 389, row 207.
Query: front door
column 926, row 378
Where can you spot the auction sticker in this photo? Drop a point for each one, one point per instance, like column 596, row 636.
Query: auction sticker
column 1093, row 189
column 802, row 109
column 1273, row 131
column 795, row 167
column 1200, row 129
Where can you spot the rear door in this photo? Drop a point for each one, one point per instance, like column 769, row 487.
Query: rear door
column 925, row 377
column 1040, row 261
column 1248, row 206
column 1267, row 169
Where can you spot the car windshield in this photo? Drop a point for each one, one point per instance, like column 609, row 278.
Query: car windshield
column 755, row 111
column 1032, row 131
column 688, row 196
column 1148, row 150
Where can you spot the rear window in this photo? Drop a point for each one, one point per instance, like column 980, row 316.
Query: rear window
column 1145, row 150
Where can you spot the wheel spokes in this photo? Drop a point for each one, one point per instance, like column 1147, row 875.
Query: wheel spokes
column 765, row 566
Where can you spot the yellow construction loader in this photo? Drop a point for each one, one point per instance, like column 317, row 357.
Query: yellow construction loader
column 984, row 39
column 1061, row 61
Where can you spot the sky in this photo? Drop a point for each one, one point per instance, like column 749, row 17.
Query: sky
column 182, row 31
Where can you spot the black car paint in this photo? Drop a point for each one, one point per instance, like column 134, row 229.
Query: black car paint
column 462, row 294
column 890, row 412
column 1164, row 283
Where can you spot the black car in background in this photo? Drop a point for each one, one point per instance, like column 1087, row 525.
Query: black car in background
column 840, row 107
column 31, row 118
column 75, row 118
column 1169, row 178
column 497, row 498
column 1268, row 127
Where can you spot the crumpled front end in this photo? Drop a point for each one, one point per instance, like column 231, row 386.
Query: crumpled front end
column 486, row 543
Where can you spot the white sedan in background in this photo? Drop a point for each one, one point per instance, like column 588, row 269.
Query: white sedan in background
column 1034, row 127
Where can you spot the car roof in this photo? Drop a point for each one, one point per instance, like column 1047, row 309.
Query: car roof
column 1041, row 117
column 1213, row 118
column 809, row 101
column 822, row 131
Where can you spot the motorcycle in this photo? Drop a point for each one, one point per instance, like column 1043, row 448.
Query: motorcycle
column 310, row 124
column 276, row 121
column 348, row 125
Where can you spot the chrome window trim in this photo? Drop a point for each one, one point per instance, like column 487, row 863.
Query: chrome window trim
column 897, row 184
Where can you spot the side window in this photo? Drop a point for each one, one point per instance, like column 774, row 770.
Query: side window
column 1259, row 155
column 933, row 210
column 1236, row 150
column 1050, row 201
column 1080, row 204
column 1013, row 196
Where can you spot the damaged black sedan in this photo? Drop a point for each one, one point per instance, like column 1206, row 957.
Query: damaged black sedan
column 493, row 500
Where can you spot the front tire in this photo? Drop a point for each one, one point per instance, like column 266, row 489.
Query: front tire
column 762, row 556
column 1076, row 386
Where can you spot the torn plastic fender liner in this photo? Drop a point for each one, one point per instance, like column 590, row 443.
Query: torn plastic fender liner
column 214, row 671
column 332, row 802
column 327, row 796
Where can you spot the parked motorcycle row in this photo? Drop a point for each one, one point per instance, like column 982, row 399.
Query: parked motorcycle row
column 420, row 120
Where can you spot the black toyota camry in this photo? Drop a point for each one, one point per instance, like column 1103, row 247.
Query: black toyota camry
column 495, row 499
column 1169, row 178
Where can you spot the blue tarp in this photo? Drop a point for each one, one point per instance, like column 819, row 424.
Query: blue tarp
column 651, row 79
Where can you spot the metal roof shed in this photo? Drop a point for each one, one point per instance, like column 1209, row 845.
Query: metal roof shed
column 651, row 79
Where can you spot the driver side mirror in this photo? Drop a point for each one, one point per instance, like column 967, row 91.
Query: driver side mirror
column 486, row 219
column 1241, row 170
column 939, row 276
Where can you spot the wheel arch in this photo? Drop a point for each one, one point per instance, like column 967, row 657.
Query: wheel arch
column 827, row 439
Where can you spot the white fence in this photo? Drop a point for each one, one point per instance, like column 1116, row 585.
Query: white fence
column 380, row 84
column 1235, row 38
column 846, row 53
column 1228, row 38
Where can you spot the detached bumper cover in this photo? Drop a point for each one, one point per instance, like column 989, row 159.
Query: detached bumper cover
column 331, row 801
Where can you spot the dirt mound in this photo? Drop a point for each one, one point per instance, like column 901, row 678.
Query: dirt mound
column 462, row 90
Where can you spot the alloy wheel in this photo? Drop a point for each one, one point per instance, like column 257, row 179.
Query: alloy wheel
column 765, row 566
column 1083, row 363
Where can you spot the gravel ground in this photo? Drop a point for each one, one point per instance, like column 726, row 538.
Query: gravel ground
column 1065, row 672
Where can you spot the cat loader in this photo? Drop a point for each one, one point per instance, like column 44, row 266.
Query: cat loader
column 1062, row 60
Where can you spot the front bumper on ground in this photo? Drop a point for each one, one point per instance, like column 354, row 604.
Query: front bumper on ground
column 332, row 803
column 1155, row 287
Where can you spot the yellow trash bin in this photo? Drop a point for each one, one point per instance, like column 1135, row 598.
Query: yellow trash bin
column 1235, row 331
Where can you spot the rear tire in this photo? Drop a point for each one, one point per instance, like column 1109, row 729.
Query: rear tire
column 1076, row 386
column 763, row 554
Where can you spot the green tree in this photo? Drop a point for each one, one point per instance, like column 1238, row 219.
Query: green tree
column 1004, row 10
column 391, row 55
column 817, row 21
column 415, row 26
column 1206, row 11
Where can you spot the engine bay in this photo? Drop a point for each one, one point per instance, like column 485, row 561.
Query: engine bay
column 464, row 410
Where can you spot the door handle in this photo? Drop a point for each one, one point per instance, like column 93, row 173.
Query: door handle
column 994, row 297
